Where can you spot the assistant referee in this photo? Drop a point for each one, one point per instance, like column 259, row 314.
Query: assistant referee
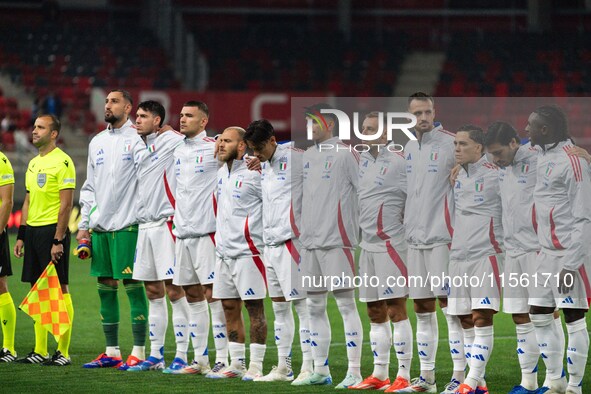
column 43, row 234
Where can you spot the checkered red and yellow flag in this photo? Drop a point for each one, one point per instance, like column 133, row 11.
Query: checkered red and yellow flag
column 45, row 303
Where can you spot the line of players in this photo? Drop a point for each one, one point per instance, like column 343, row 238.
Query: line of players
column 227, row 217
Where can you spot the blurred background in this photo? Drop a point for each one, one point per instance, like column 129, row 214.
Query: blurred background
column 248, row 58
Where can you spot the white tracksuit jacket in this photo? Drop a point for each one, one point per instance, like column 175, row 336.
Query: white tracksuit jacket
column 196, row 172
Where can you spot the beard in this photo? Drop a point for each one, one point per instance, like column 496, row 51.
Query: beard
column 230, row 156
column 112, row 119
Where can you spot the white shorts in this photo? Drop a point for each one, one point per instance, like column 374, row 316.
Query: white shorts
column 423, row 264
column 475, row 285
column 284, row 278
column 328, row 269
column 195, row 261
column 546, row 292
column 154, row 252
column 518, row 277
column 243, row 278
column 389, row 272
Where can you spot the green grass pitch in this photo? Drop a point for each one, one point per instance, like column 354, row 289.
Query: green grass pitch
column 87, row 342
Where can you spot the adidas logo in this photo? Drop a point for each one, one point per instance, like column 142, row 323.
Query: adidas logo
column 351, row 344
column 127, row 270
column 221, row 335
column 486, row 301
column 211, row 276
column 569, row 361
column 388, row 291
column 478, row 357
column 568, row 300
column 454, row 351
column 468, row 355
column 140, row 318
column 250, row 291
column 193, row 335
column 293, row 293
column 543, row 355
column 313, row 344
column 375, row 354
column 179, row 334
column 151, row 334
column 170, row 272
column 520, row 351
column 422, row 353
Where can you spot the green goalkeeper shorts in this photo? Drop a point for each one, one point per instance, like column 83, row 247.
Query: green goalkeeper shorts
column 113, row 253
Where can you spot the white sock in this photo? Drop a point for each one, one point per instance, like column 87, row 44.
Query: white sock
column 380, row 337
column 199, row 330
column 220, row 336
column 139, row 352
column 468, row 341
column 257, row 355
column 284, row 327
column 114, row 351
column 353, row 329
column 403, row 346
column 577, row 351
column 550, row 349
column 320, row 332
column 180, row 323
column 456, row 345
column 481, row 351
column 158, row 323
column 528, row 354
column 304, row 323
column 237, row 354
column 427, row 341
column 562, row 341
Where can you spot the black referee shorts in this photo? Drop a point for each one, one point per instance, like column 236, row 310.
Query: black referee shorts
column 38, row 243
column 5, row 267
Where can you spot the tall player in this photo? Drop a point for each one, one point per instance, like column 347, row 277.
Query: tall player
column 428, row 220
column 154, row 257
column 239, row 271
column 382, row 195
column 108, row 206
column 194, row 226
column 281, row 183
column 563, row 213
column 330, row 227
column 476, row 251
column 517, row 180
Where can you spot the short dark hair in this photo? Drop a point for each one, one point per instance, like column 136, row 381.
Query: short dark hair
column 421, row 96
column 125, row 93
column 259, row 132
column 155, row 108
column 199, row 104
column 55, row 122
column 554, row 117
column 500, row 133
column 475, row 133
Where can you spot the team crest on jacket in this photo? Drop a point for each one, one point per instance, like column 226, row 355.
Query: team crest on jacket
column 525, row 168
column 41, row 179
column 283, row 163
column 327, row 164
column 152, row 148
column 127, row 146
column 199, row 159
column 479, row 185
column 549, row 168
column 238, row 183
column 383, row 170
column 434, row 154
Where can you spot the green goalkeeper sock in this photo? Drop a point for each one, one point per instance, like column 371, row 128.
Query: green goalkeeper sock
column 138, row 303
column 109, row 313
